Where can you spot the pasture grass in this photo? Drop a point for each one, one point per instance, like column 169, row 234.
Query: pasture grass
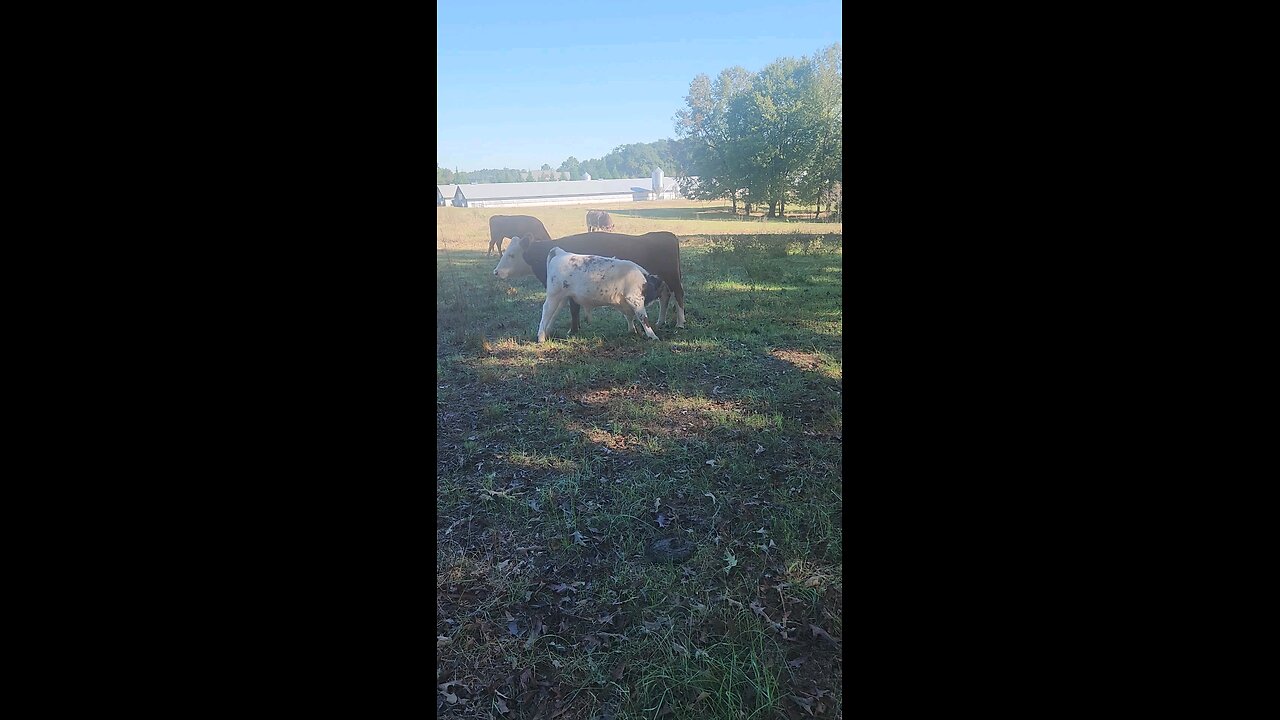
column 458, row 227
column 558, row 464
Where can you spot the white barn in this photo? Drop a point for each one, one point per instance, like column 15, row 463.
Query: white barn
column 571, row 192
column 444, row 194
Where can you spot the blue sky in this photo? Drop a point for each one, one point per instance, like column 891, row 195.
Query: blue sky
column 519, row 84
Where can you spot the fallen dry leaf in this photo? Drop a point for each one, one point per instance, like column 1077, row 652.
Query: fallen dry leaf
column 759, row 449
column 819, row 632
column 663, row 521
column 442, row 640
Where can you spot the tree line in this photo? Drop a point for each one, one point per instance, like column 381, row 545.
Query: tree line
column 634, row 160
column 445, row 176
column 767, row 138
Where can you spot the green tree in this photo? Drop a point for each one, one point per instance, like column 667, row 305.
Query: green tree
column 712, row 151
column 775, row 127
column 545, row 166
column 826, row 168
column 571, row 166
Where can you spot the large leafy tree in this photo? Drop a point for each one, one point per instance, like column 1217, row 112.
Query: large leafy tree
column 773, row 137
column 775, row 126
column 826, row 170
column 712, row 150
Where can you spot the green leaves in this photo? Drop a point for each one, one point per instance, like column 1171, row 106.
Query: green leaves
column 772, row 137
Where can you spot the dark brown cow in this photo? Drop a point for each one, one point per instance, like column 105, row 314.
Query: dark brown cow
column 657, row 252
column 509, row 226
column 598, row 220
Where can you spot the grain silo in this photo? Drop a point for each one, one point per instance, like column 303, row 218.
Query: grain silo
column 657, row 183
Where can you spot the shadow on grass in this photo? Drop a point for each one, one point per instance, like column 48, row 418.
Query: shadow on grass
column 761, row 352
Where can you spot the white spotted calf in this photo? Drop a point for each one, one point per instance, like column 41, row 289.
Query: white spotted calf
column 595, row 281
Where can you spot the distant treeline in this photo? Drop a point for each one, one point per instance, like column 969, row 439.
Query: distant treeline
column 625, row 161
column 445, row 176
column 636, row 160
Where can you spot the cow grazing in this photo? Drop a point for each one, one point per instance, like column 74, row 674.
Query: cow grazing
column 596, row 281
column 657, row 252
column 599, row 220
column 509, row 226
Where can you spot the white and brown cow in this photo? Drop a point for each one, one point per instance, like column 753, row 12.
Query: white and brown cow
column 598, row 281
column 657, row 252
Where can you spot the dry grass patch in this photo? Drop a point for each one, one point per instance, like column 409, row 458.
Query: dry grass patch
column 799, row 359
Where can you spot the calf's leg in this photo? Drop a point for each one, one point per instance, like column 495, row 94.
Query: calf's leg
column 635, row 306
column 549, row 310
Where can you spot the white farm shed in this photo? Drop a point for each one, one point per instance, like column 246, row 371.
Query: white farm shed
column 444, row 194
column 571, row 192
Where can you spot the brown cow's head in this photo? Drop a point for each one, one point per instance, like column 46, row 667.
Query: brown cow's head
column 512, row 263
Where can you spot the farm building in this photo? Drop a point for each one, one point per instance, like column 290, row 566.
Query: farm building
column 571, row 192
column 444, row 194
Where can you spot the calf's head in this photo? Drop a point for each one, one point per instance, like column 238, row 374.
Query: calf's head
column 512, row 263
column 652, row 285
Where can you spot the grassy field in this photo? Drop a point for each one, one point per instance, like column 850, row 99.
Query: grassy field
column 560, row 465
column 456, row 226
